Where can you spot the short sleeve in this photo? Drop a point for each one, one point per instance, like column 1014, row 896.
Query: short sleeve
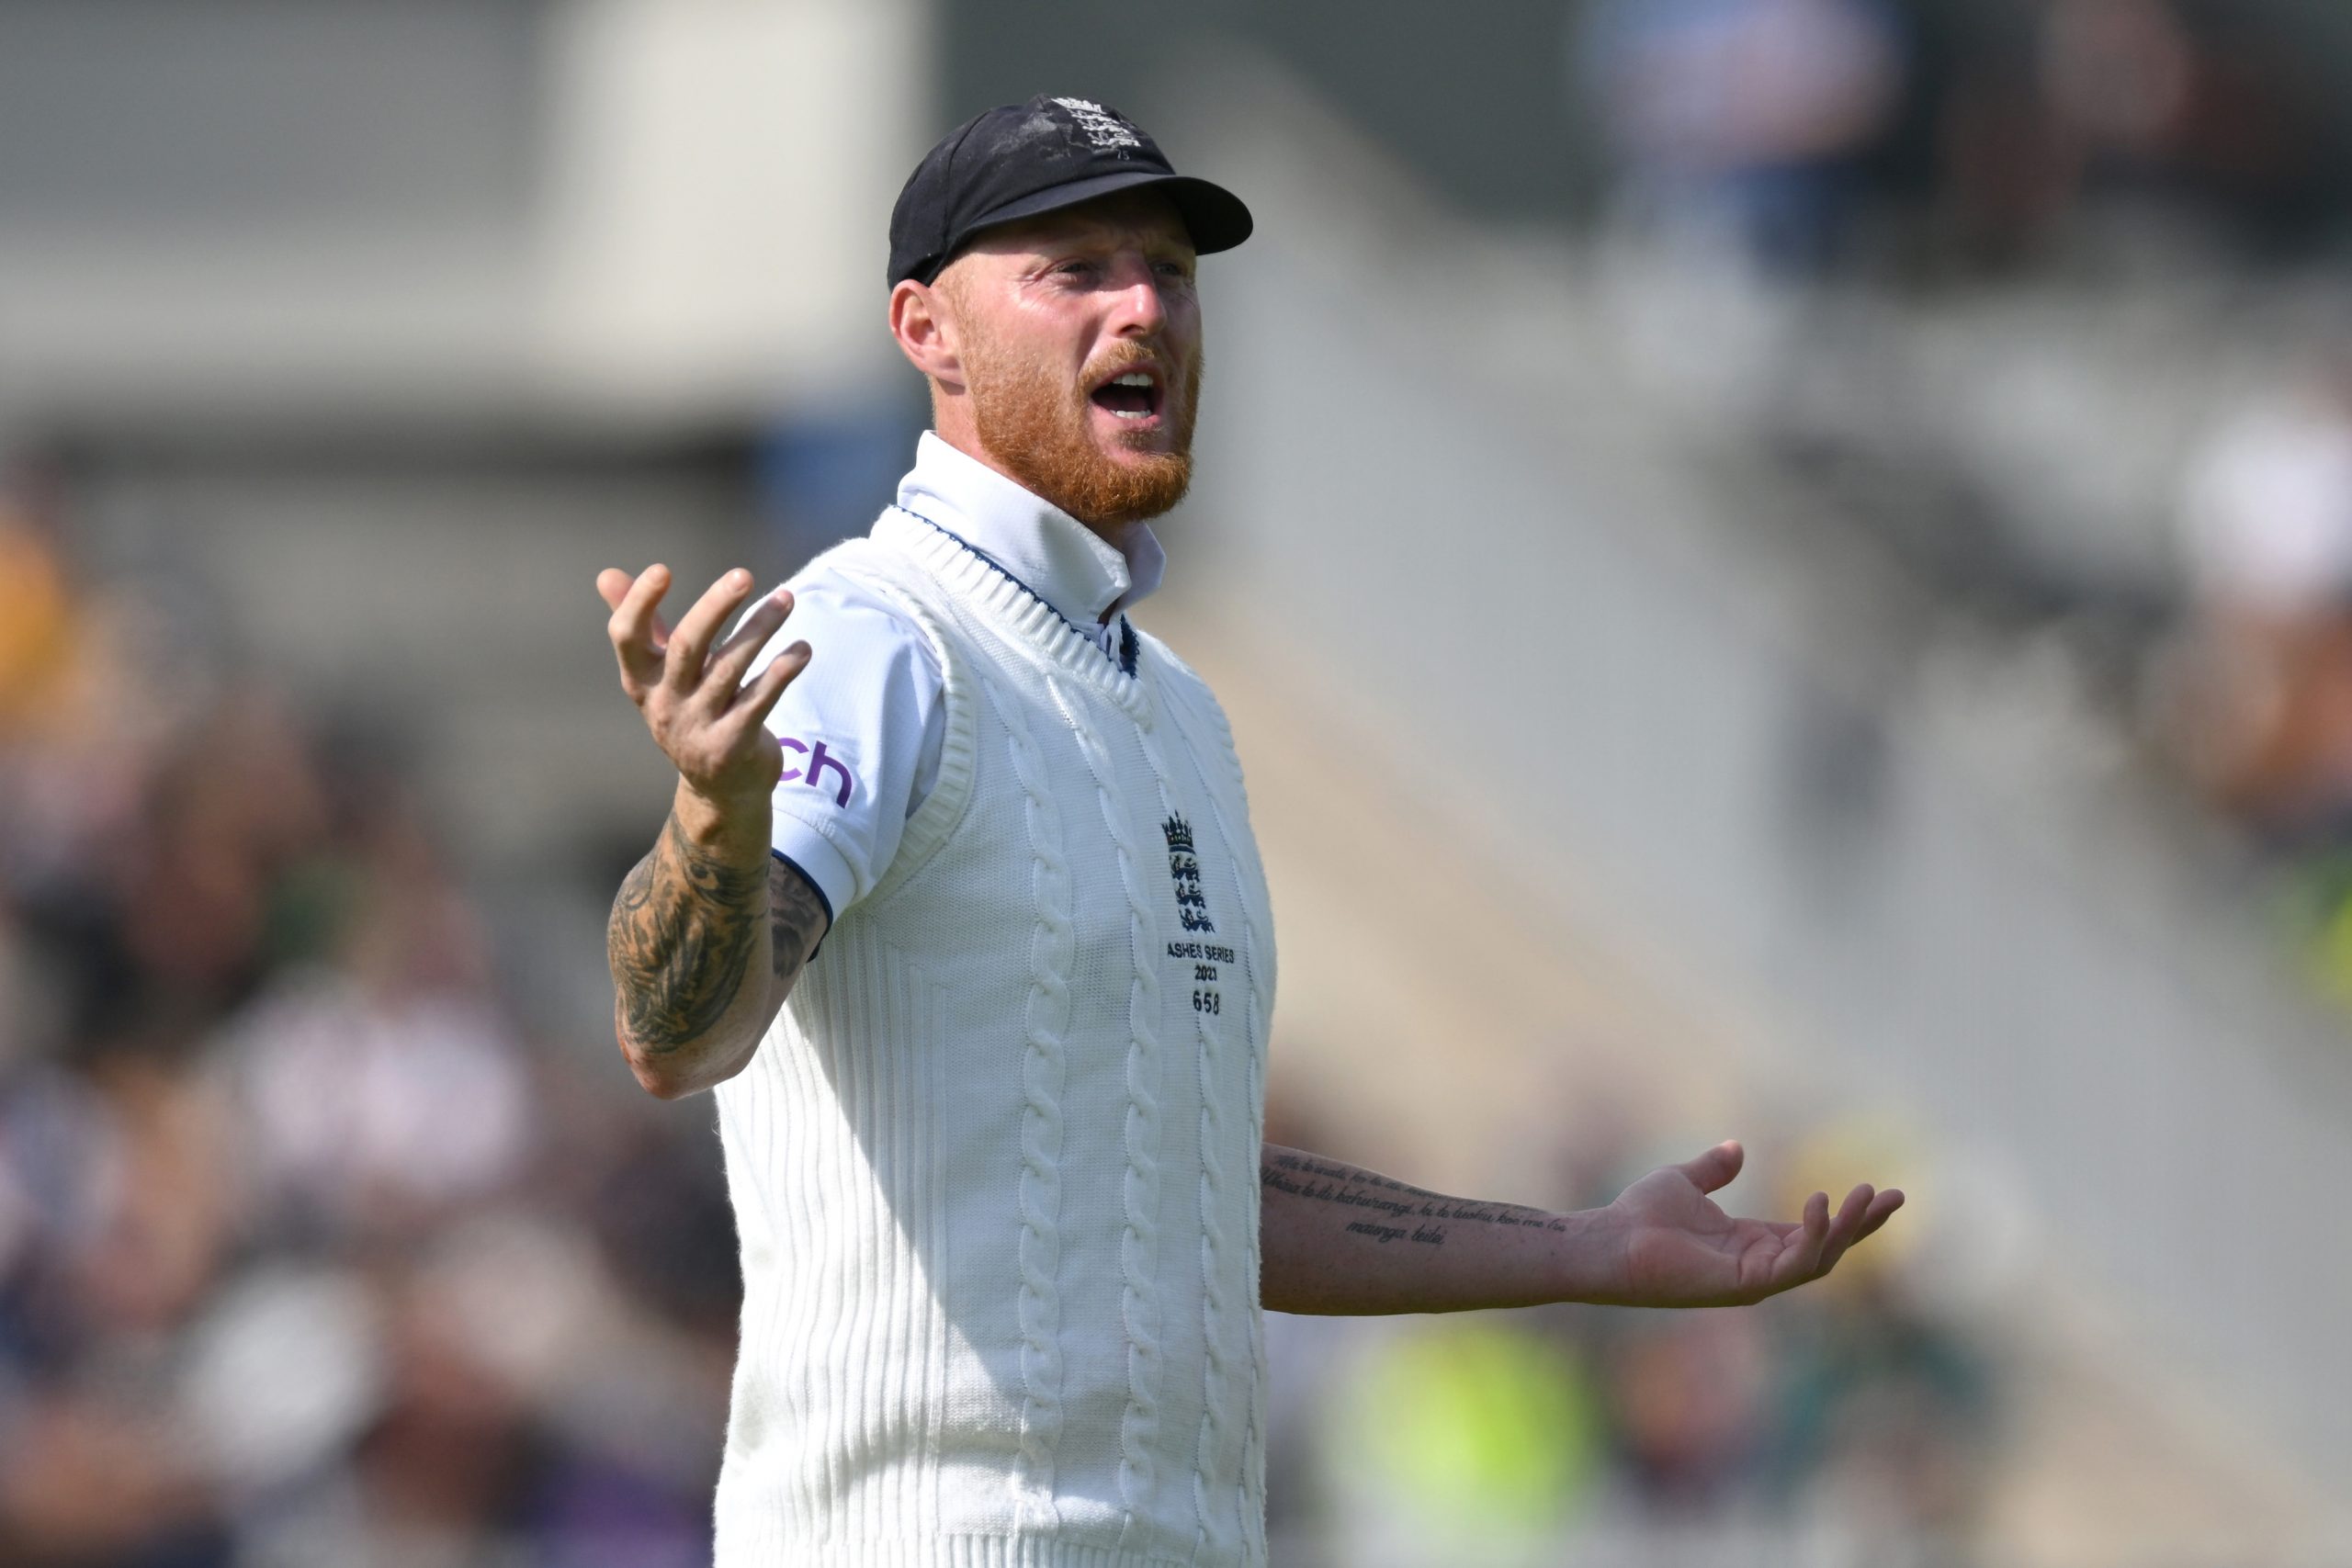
column 861, row 729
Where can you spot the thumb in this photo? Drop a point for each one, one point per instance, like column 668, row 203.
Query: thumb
column 1714, row 1168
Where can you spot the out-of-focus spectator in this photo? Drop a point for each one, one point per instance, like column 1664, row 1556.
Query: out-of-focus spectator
column 35, row 616
column 1687, row 1397
column 2120, row 78
column 1462, row 1440
column 2001, row 178
column 1739, row 133
column 1738, row 122
column 1886, row 1424
column 2058, row 110
column 2152, row 101
column 385, row 1089
column 2261, row 695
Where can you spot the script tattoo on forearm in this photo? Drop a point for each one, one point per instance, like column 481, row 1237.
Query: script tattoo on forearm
column 680, row 938
column 1393, row 1211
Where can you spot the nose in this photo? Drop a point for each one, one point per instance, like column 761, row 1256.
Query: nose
column 1139, row 310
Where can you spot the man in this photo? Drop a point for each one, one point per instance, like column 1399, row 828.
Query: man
column 992, row 1151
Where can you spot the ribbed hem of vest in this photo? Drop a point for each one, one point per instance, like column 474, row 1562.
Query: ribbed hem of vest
column 955, row 1551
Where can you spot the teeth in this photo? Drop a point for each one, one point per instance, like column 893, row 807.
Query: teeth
column 1133, row 378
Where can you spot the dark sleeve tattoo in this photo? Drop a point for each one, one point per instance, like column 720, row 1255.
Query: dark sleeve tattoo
column 1389, row 1210
column 680, row 938
column 796, row 920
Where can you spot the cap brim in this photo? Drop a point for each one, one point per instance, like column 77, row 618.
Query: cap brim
column 1212, row 215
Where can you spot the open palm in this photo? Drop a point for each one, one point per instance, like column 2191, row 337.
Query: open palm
column 1681, row 1249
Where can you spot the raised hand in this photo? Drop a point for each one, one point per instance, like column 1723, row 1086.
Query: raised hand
column 711, row 725
column 1679, row 1249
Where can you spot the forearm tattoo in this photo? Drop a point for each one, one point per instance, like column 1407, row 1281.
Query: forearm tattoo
column 680, row 938
column 796, row 920
column 1389, row 1210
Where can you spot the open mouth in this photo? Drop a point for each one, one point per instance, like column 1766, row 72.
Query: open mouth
column 1132, row 396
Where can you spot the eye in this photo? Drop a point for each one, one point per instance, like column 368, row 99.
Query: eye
column 1077, row 268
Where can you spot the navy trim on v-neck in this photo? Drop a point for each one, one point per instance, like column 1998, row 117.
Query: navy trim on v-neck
column 1130, row 647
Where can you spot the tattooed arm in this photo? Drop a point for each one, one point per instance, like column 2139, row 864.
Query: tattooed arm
column 706, row 937
column 1339, row 1240
column 1335, row 1239
column 709, row 930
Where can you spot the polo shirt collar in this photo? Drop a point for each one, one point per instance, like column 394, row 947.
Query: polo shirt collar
column 1084, row 576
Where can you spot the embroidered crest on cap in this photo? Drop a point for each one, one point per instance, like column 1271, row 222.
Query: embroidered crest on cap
column 1104, row 128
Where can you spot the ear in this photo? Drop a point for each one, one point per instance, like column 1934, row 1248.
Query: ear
column 923, row 321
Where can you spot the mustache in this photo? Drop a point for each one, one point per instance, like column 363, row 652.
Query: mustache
column 1118, row 362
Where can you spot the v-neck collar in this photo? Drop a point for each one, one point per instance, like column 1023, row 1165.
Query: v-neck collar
column 1085, row 577
column 1017, row 612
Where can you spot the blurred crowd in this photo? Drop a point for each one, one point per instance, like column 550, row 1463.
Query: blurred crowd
column 2044, row 294
column 309, row 1252
column 1789, row 127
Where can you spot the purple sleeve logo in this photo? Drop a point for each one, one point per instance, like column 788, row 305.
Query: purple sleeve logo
column 813, row 771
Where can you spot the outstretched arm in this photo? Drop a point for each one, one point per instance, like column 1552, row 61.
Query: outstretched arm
column 1339, row 1240
column 709, row 930
column 706, row 939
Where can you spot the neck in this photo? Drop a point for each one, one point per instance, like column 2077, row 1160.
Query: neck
column 1090, row 572
column 960, row 435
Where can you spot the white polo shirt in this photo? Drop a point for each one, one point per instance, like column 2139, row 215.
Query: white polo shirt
column 861, row 727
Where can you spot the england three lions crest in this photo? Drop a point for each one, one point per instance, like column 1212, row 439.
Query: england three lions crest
column 1184, row 871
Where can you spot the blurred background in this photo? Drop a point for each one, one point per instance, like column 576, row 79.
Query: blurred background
column 1782, row 569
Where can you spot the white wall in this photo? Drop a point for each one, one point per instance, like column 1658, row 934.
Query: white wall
column 720, row 183
column 654, row 211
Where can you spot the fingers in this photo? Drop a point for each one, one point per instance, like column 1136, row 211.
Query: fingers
column 752, row 707
column 1847, row 1228
column 636, row 631
column 1714, row 1168
column 1864, row 1212
column 724, row 669
column 1851, row 1213
column 1812, row 1246
column 1801, row 1260
column 683, row 665
column 1882, row 1208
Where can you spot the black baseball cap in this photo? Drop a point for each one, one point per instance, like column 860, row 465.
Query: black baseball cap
column 1024, row 159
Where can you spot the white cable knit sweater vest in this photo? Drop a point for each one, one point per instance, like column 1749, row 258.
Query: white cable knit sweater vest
column 995, row 1167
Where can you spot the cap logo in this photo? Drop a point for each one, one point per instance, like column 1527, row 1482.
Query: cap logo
column 1106, row 130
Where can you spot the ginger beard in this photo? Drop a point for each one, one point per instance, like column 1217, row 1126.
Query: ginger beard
column 1039, row 425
